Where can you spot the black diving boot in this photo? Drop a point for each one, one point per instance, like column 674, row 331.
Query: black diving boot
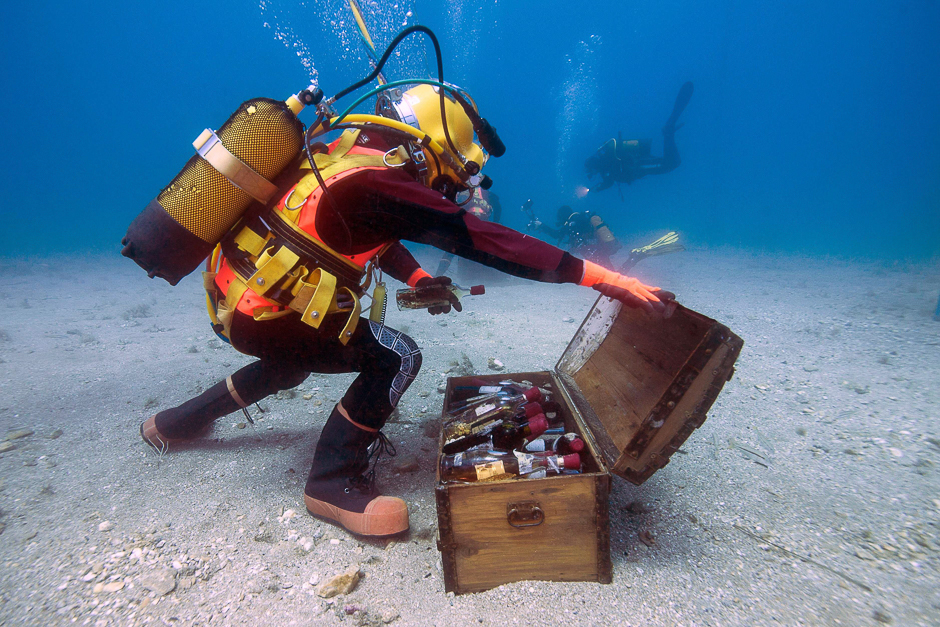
column 341, row 488
column 192, row 417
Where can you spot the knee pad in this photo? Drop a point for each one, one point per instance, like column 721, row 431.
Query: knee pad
column 408, row 352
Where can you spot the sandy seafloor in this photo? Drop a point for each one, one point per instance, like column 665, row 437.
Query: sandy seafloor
column 837, row 390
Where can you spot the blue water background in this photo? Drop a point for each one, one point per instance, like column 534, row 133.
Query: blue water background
column 814, row 126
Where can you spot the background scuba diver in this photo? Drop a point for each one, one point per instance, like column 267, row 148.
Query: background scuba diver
column 585, row 234
column 378, row 189
column 588, row 237
column 624, row 161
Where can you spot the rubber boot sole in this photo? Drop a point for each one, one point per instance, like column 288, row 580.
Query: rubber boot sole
column 150, row 435
column 383, row 516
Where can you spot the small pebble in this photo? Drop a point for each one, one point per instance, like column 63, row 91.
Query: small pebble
column 105, row 526
column 406, row 463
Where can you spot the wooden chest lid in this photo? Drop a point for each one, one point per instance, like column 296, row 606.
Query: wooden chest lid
column 642, row 383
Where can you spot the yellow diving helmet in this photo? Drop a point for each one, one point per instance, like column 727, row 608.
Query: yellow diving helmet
column 420, row 107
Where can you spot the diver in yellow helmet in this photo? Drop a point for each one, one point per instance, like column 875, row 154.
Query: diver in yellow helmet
column 420, row 107
column 382, row 182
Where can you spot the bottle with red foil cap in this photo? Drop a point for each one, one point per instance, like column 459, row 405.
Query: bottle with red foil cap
column 512, row 435
column 560, row 444
column 479, row 388
column 500, row 434
column 481, row 465
column 473, row 419
column 568, row 443
column 433, row 295
column 489, row 419
column 491, row 393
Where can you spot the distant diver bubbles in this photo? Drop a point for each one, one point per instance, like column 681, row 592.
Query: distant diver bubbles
column 577, row 116
column 466, row 19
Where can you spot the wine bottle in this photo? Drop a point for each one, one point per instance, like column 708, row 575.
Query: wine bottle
column 488, row 420
column 480, row 388
column 531, row 394
column 433, row 295
column 561, row 444
column 498, row 407
column 480, row 465
column 511, row 435
column 500, row 433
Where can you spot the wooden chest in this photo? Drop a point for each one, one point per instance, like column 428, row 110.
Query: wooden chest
column 634, row 387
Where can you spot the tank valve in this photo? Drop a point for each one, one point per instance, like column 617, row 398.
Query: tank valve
column 311, row 96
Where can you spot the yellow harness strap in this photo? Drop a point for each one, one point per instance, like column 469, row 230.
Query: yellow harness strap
column 272, row 267
column 337, row 162
column 314, row 297
column 314, row 290
column 226, row 312
column 250, row 242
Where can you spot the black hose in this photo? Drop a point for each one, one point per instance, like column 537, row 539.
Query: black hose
column 440, row 75
column 388, row 51
column 316, row 173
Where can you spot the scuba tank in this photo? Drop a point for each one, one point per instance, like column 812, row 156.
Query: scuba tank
column 603, row 234
column 232, row 169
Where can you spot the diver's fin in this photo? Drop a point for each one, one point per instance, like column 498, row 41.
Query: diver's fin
column 682, row 101
column 668, row 243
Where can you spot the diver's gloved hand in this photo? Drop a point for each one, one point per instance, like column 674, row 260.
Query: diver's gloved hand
column 631, row 292
column 443, row 282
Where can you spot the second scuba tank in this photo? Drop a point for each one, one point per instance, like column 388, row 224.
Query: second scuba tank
column 603, row 233
column 232, row 168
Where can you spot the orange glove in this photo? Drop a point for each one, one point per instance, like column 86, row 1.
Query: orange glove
column 629, row 291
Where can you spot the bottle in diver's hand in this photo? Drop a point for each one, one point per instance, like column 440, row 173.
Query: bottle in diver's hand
column 433, row 295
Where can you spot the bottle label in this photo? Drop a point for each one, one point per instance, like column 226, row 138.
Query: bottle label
column 537, row 446
column 525, row 462
column 490, row 389
column 484, row 408
column 485, row 425
column 491, row 469
column 555, row 463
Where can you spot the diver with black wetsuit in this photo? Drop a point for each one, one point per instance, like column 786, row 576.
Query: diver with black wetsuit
column 624, row 161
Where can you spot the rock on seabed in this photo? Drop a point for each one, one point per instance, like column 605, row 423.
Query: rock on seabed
column 340, row 584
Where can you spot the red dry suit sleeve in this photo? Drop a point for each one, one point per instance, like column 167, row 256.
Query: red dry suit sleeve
column 398, row 262
column 383, row 205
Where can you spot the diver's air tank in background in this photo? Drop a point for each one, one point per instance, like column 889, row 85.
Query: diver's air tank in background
column 601, row 231
column 232, row 168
